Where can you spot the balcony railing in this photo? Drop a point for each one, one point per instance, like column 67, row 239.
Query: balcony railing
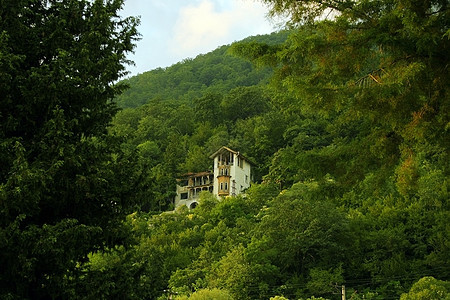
column 219, row 164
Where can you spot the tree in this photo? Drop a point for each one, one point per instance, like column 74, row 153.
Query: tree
column 383, row 61
column 428, row 288
column 244, row 102
column 207, row 108
column 300, row 233
column 63, row 189
column 381, row 67
column 205, row 294
column 197, row 160
column 236, row 274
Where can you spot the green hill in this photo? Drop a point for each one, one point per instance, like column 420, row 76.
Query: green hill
column 215, row 72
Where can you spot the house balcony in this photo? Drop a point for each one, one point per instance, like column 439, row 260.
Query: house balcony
column 224, row 170
column 224, row 163
column 195, row 192
column 223, row 193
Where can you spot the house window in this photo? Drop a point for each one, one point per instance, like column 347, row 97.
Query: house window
column 246, row 178
column 240, row 162
column 221, row 185
column 226, row 186
column 184, row 196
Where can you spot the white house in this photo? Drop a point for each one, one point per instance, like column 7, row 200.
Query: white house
column 189, row 187
column 231, row 175
column 232, row 172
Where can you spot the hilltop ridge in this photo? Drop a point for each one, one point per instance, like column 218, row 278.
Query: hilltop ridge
column 217, row 71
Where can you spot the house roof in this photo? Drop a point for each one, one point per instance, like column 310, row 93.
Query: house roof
column 224, row 149
column 190, row 174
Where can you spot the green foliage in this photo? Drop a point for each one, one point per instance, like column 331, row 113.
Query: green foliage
column 214, row 73
column 243, row 103
column 324, row 282
column 349, row 142
column 207, row 109
column 197, row 160
column 63, row 188
column 428, row 288
column 206, row 294
column 349, row 139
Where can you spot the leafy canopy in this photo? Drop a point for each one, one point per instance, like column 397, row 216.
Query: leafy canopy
column 61, row 192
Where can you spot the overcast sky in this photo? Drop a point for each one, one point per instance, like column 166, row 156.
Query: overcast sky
column 173, row 30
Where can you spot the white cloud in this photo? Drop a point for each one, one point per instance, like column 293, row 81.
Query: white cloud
column 203, row 27
column 173, row 30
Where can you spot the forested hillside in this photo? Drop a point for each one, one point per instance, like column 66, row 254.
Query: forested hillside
column 214, row 72
column 351, row 147
column 345, row 115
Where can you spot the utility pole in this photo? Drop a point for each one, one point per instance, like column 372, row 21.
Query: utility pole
column 343, row 292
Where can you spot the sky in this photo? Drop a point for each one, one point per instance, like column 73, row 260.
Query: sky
column 173, row 30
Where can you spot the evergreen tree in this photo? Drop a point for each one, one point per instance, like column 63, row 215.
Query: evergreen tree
column 63, row 189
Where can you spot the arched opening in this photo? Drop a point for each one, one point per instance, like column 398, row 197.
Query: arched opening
column 193, row 205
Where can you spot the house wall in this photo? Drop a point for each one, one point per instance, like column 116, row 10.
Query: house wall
column 192, row 187
column 241, row 175
column 216, row 174
column 180, row 190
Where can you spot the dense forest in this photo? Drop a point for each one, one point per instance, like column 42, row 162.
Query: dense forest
column 344, row 113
